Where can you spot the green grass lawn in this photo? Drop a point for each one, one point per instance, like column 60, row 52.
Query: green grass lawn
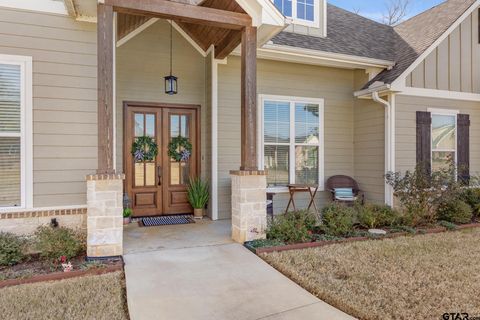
column 91, row 297
column 419, row 277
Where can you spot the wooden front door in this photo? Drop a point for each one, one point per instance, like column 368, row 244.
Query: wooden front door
column 159, row 187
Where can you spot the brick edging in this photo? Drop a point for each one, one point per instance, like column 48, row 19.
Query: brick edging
column 61, row 276
column 308, row 245
column 42, row 213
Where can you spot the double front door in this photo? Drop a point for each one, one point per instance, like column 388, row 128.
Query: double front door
column 159, row 186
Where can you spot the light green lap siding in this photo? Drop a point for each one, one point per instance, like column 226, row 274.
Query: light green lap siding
column 286, row 79
column 406, row 108
column 64, row 100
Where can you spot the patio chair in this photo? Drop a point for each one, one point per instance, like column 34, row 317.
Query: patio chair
column 344, row 189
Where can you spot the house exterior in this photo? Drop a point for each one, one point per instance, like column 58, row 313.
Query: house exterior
column 270, row 93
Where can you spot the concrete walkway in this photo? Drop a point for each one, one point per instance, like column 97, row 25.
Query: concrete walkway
column 173, row 275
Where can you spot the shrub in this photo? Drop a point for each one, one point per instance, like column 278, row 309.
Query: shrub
column 127, row 212
column 292, row 227
column 56, row 242
column 421, row 193
column 455, row 211
column 471, row 197
column 374, row 216
column 338, row 220
column 262, row 243
column 11, row 249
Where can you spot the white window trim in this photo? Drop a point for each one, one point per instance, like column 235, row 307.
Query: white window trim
column 321, row 146
column 316, row 15
column 26, row 132
column 444, row 112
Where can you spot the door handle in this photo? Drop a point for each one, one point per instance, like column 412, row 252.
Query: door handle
column 159, row 173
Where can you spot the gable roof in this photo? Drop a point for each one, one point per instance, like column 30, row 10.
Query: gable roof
column 351, row 34
column 348, row 33
column 414, row 36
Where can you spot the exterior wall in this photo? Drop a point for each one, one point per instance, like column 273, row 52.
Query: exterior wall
column 141, row 81
column 369, row 144
column 455, row 64
column 406, row 108
column 312, row 31
column 64, row 100
column 287, row 79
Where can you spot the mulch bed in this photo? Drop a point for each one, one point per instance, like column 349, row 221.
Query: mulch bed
column 36, row 270
column 317, row 244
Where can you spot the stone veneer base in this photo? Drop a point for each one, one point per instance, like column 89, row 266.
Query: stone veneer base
column 105, row 215
column 249, row 213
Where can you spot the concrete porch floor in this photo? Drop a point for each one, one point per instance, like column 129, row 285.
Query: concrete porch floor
column 196, row 272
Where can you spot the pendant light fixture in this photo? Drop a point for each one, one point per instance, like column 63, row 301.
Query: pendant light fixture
column 171, row 86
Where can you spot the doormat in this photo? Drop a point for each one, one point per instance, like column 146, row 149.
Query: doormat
column 165, row 220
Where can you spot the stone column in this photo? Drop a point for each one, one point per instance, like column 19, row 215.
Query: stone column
column 249, row 211
column 105, row 215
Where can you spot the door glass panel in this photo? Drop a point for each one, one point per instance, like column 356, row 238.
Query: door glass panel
column 174, row 173
column 139, row 125
column 185, row 166
column 306, row 165
column 139, row 174
column 150, row 173
column 174, row 126
column 150, row 125
column 184, row 125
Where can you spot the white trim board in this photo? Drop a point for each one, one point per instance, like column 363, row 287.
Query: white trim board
column 49, row 6
column 400, row 81
column 26, row 132
column 438, row 94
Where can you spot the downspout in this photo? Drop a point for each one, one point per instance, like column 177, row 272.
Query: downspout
column 389, row 139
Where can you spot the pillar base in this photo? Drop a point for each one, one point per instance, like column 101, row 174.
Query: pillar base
column 249, row 211
column 105, row 215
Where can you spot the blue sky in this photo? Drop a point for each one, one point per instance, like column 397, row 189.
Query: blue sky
column 374, row 8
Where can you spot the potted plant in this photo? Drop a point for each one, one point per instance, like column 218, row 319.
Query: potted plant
column 197, row 193
column 127, row 215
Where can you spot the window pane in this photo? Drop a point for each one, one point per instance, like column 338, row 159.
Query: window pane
column 306, row 165
column 139, row 174
column 443, row 132
column 301, row 9
column 139, row 125
column 440, row 160
column 185, row 126
column 150, row 173
column 9, row 98
column 174, row 173
column 310, row 11
column 276, row 122
column 150, row 125
column 10, row 172
column 276, row 164
column 284, row 6
column 307, row 123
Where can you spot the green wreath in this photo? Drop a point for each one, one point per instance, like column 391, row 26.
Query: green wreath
column 180, row 149
column 144, row 149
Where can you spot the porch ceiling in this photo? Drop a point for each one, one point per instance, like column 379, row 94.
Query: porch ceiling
column 224, row 40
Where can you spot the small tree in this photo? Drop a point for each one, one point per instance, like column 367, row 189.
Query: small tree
column 397, row 10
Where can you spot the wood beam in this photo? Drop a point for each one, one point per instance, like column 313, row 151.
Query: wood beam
column 105, row 89
column 228, row 44
column 249, row 99
column 183, row 12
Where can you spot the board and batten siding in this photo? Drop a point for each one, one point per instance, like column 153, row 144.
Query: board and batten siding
column 369, row 144
column 406, row 108
column 455, row 64
column 144, row 61
column 335, row 86
column 64, row 100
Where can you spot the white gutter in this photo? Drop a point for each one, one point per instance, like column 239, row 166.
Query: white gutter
column 389, row 139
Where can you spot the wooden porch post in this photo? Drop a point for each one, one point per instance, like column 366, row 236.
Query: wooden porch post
column 249, row 99
column 105, row 89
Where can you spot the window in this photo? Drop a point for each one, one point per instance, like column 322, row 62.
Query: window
column 292, row 140
column 302, row 11
column 15, row 108
column 444, row 138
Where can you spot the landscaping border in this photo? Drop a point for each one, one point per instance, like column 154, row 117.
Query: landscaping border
column 307, row 245
column 63, row 275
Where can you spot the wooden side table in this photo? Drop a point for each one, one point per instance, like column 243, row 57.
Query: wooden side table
column 299, row 188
